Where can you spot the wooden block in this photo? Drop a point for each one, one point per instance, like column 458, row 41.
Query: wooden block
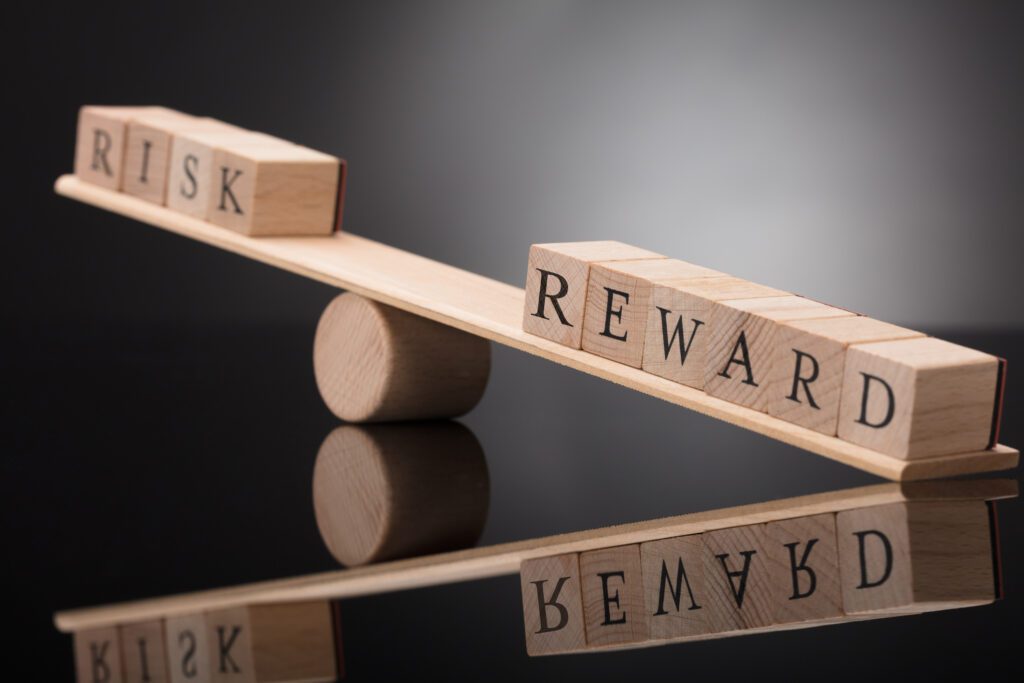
column 556, row 285
column 100, row 145
column 613, row 596
column 803, row 564
column 280, row 642
column 673, row 580
column 915, row 398
column 914, row 557
column 677, row 324
column 741, row 341
column 144, row 652
column 806, row 374
column 188, row 649
column 618, row 299
column 552, row 604
column 98, row 656
column 737, row 580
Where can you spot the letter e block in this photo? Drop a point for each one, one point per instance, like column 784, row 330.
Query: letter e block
column 613, row 596
column 556, row 285
column 144, row 652
column 100, row 145
column 98, row 656
column 188, row 651
column 913, row 557
column 737, row 579
column 916, row 398
column 673, row 579
column 804, row 568
column 552, row 605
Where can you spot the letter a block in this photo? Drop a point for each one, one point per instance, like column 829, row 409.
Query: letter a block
column 100, row 145
column 804, row 569
column 552, row 605
column 915, row 398
column 807, row 367
column 736, row 579
column 613, row 596
column 262, row 643
column 144, row 652
column 556, row 285
column 98, row 656
column 741, row 343
column 618, row 299
column 914, row 557
column 673, row 579
column 188, row 651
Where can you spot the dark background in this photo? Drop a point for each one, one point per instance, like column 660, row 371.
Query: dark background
column 160, row 418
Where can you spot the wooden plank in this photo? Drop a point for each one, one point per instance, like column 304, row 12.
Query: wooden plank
column 494, row 310
column 504, row 559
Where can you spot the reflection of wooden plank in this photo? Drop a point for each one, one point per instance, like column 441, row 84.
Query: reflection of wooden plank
column 498, row 560
column 494, row 310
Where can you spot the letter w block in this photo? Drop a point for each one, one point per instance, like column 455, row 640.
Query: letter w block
column 552, row 605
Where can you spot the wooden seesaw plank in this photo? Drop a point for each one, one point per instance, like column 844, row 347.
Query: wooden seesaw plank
column 493, row 310
column 505, row 559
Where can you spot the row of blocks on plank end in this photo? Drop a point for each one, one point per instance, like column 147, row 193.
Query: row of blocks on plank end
column 250, row 182
column 277, row 642
column 884, row 387
column 902, row 558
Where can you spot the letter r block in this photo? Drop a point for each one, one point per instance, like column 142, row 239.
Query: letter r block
column 98, row 656
column 613, row 596
column 552, row 605
column 143, row 650
column 187, row 647
column 673, row 580
column 913, row 557
column 556, row 285
column 916, row 398
column 804, row 569
column 100, row 145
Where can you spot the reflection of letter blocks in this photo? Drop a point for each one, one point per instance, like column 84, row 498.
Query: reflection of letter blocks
column 613, row 596
column 677, row 334
column 807, row 366
column 804, row 568
column 915, row 398
column 673, row 580
column 98, row 656
column 618, row 298
column 736, row 579
column 100, row 145
column 188, row 652
column 144, row 652
column 552, row 606
column 914, row 557
column 556, row 285
column 741, row 340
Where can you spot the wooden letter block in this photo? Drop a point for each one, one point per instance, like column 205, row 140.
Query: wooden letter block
column 618, row 299
column 552, row 605
column 807, row 367
column 737, row 579
column 613, row 596
column 673, row 580
column 144, row 652
column 276, row 189
column 262, row 643
column 100, row 146
column 741, row 342
column 914, row 557
column 556, row 285
column 677, row 324
column 98, row 656
column 188, row 650
column 804, row 569
column 915, row 398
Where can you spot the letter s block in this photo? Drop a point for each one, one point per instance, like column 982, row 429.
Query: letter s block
column 914, row 557
column 916, row 398
column 187, row 647
column 98, row 656
column 613, row 596
column 100, row 145
column 556, row 285
column 552, row 605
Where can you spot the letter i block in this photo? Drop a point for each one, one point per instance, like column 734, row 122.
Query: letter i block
column 804, row 569
column 915, row 557
column 741, row 343
column 737, row 579
column 673, row 580
column 100, row 145
column 293, row 641
column 144, row 652
column 556, row 285
column 676, row 347
column 915, row 398
column 807, row 367
column 618, row 302
column 98, row 656
column 552, row 605
column 613, row 596
column 266, row 190
column 187, row 647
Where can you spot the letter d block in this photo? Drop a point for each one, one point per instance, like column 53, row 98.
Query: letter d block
column 613, row 596
column 144, row 652
column 915, row 557
column 188, row 651
column 915, row 398
column 262, row 643
column 556, row 285
column 552, row 606
column 98, row 656
column 100, row 146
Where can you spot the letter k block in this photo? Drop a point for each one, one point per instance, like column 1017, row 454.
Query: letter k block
column 552, row 605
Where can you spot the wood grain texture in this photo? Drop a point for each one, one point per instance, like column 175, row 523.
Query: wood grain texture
column 494, row 310
column 736, row 579
column 144, row 652
column 147, row 153
column 498, row 560
column 674, row 590
column 611, row 581
column 552, row 605
column 101, row 140
column 804, row 567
